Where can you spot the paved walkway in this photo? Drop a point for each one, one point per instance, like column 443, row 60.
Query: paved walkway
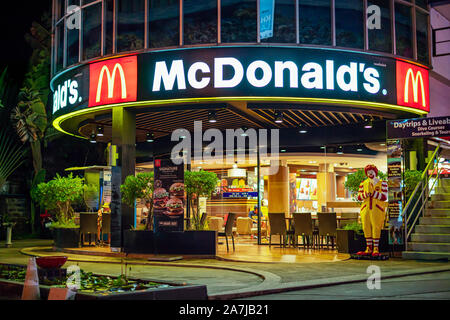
column 435, row 286
column 226, row 279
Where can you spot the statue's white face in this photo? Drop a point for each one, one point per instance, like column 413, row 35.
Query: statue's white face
column 371, row 174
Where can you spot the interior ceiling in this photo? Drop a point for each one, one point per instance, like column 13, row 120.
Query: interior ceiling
column 162, row 123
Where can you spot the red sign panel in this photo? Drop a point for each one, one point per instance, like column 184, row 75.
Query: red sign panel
column 113, row 81
column 412, row 86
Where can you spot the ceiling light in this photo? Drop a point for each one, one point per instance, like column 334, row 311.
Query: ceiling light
column 368, row 123
column 283, row 150
column 340, row 150
column 93, row 138
column 150, row 137
column 302, row 128
column 100, row 131
column 212, row 116
column 322, row 147
column 278, row 117
column 244, row 133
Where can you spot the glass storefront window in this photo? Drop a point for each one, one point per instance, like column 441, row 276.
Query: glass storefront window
column 60, row 9
column 422, row 3
column 92, row 31
column 238, row 21
column 422, row 36
column 59, row 46
column 283, row 23
column 403, row 32
column 349, row 23
column 109, row 27
column 380, row 39
column 200, row 21
column 163, row 23
column 130, row 25
column 315, row 22
column 73, row 46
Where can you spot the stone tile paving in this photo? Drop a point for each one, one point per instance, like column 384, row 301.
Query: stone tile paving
column 219, row 280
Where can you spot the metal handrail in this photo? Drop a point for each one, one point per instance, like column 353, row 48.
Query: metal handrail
column 424, row 194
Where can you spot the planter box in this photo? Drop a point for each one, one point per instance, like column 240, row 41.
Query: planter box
column 13, row 290
column 348, row 241
column 66, row 237
column 187, row 242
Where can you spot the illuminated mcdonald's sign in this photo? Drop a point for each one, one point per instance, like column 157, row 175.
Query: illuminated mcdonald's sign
column 113, row 81
column 412, row 86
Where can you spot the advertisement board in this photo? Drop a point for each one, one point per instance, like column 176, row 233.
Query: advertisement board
column 419, row 128
column 168, row 196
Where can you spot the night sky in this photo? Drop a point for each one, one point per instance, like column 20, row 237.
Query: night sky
column 15, row 22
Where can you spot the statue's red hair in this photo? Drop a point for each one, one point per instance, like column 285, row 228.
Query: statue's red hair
column 371, row 167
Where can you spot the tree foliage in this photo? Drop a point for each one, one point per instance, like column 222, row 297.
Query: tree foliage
column 198, row 184
column 139, row 187
column 410, row 179
column 58, row 195
column 355, row 179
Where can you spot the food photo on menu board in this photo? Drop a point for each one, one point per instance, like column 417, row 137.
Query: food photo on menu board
column 306, row 189
column 168, row 196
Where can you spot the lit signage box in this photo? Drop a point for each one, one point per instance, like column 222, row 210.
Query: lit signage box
column 242, row 72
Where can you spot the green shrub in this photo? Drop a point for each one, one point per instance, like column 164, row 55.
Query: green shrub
column 58, row 195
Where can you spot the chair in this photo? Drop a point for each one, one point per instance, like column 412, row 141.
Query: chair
column 303, row 226
column 215, row 223
column 106, row 226
column 327, row 227
column 277, row 224
column 229, row 229
column 203, row 218
column 88, row 225
column 244, row 225
column 347, row 218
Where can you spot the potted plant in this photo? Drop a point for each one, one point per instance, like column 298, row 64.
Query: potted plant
column 198, row 184
column 139, row 187
column 58, row 196
column 350, row 239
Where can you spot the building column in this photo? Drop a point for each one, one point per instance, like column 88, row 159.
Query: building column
column 278, row 189
column 124, row 138
column 326, row 185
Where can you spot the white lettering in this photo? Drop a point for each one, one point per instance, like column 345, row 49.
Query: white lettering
column 219, row 81
column 168, row 78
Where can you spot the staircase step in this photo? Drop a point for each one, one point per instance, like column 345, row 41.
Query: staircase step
column 442, row 189
column 440, row 197
column 415, row 255
column 430, row 237
column 430, row 228
column 444, row 182
column 440, row 204
column 434, row 220
column 429, row 247
column 437, row 212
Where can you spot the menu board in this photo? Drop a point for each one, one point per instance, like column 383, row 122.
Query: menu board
column 168, row 196
column 395, row 195
column 306, row 189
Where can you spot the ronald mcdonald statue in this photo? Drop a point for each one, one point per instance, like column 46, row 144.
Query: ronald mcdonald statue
column 373, row 193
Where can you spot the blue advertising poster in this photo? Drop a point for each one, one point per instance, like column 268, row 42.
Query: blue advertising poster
column 266, row 13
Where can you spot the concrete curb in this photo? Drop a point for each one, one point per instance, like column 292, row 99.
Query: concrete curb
column 269, row 279
column 310, row 284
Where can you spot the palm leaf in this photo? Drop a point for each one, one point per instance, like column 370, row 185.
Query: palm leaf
column 12, row 156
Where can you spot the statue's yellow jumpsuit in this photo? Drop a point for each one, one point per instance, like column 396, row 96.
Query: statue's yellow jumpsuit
column 373, row 194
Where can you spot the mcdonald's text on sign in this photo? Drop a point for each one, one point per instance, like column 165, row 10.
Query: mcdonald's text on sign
column 113, row 81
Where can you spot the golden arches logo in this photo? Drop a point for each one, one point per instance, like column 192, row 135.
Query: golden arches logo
column 414, row 81
column 111, row 81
